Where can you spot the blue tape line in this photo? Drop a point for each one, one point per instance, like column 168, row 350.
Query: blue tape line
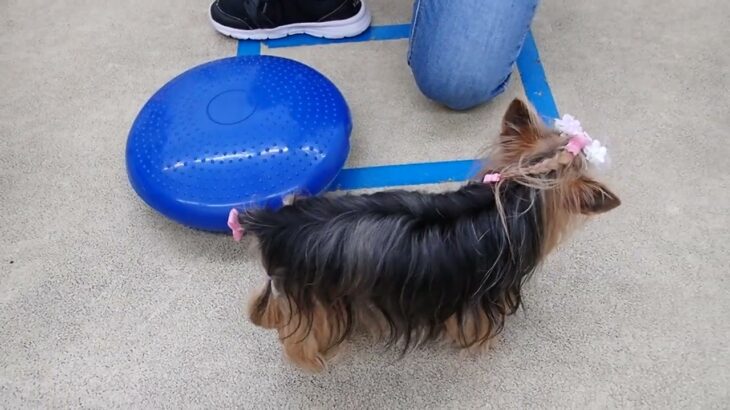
column 405, row 174
column 248, row 48
column 374, row 33
column 535, row 81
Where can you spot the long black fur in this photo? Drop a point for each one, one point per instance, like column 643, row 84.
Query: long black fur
column 416, row 258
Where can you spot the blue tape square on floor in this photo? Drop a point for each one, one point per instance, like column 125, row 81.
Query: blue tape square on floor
column 534, row 82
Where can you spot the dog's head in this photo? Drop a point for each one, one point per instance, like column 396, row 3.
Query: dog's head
column 555, row 161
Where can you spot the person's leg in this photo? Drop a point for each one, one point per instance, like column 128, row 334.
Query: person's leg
column 462, row 51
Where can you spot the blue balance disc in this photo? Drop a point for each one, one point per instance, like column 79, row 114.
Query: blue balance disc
column 239, row 132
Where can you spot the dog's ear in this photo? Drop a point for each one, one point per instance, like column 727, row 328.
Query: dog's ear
column 520, row 129
column 592, row 197
column 517, row 117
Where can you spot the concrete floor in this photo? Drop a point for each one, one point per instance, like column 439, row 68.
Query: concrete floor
column 104, row 303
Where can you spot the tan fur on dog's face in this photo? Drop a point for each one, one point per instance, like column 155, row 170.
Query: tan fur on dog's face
column 533, row 154
column 530, row 152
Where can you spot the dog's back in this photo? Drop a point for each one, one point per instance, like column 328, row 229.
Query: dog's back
column 415, row 258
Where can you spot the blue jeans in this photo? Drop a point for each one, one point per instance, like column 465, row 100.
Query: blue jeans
column 462, row 51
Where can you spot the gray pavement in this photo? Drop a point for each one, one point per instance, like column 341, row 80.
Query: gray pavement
column 104, row 303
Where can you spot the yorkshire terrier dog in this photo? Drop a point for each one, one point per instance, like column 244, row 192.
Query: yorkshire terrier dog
column 415, row 267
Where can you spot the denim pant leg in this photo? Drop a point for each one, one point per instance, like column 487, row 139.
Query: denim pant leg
column 462, row 51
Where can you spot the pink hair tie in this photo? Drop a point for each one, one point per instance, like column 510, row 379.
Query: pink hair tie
column 491, row 178
column 235, row 225
column 577, row 143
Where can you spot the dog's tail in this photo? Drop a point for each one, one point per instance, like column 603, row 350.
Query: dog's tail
column 261, row 222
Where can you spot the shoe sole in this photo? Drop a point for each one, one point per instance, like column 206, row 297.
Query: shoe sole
column 350, row 27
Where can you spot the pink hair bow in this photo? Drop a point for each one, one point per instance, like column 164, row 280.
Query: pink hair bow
column 580, row 141
column 577, row 143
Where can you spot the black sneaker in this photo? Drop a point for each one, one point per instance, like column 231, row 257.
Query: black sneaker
column 269, row 19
